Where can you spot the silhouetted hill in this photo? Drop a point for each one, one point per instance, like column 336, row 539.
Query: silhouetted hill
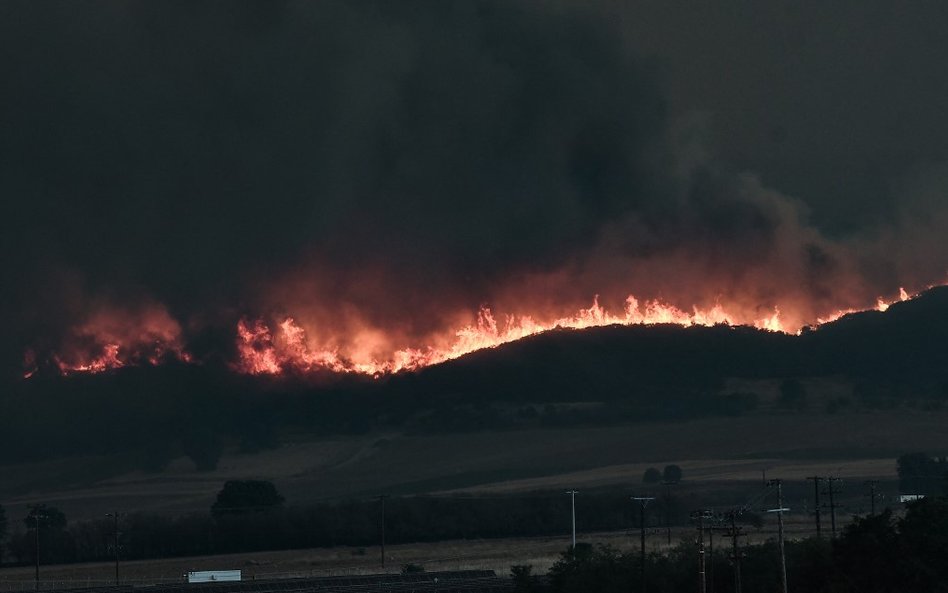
column 632, row 373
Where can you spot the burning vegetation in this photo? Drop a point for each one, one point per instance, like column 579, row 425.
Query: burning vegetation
column 115, row 339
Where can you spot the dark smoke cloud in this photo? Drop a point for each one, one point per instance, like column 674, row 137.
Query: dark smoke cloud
column 181, row 148
column 220, row 157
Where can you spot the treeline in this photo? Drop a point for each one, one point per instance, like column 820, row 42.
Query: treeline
column 351, row 523
column 874, row 554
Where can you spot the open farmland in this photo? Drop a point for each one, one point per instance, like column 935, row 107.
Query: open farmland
column 858, row 445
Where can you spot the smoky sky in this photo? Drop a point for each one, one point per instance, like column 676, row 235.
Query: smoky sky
column 232, row 155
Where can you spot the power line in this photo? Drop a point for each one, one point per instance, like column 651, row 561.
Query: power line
column 734, row 532
column 832, row 491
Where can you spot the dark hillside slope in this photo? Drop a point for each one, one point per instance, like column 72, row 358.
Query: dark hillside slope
column 633, row 373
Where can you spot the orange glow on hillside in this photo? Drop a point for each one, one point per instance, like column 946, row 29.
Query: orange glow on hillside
column 287, row 348
column 112, row 340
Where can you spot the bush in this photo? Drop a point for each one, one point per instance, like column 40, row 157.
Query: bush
column 792, row 395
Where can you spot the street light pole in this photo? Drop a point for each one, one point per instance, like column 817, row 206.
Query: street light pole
column 115, row 542
column 36, row 511
column 668, row 528
column 872, row 495
column 643, row 501
column 573, row 494
column 382, row 500
column 36, row 532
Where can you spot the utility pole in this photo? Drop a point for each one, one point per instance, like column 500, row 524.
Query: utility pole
column 643, row 501
column 711, row 552
column 780, row 510
column 572, row 494
column 734, row 532
column 872, row 495
column 816, row 506
column 832, row 491
column 115, row 542
column 702, row 580
column 382, row 498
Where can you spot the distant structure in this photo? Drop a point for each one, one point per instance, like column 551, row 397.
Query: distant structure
column 213, row 576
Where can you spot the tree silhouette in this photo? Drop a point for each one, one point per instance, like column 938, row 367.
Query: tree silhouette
column 672, row 474
column 246, row 496
column 50, row 518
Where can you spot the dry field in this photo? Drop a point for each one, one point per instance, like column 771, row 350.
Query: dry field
column 714, row 450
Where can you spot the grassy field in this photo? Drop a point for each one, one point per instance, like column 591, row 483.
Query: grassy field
column 857, row 446
column 724, row 461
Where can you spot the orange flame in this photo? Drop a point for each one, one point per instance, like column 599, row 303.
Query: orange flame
column 881, row 305
column 112, row 339
column 262, row 353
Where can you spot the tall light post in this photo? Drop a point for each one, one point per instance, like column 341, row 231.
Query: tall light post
column 38, row 514
column 572, row 494
column 382, row 498
column 115, row 541
column 872, row 495
column 643, row 501
column 668, row 529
